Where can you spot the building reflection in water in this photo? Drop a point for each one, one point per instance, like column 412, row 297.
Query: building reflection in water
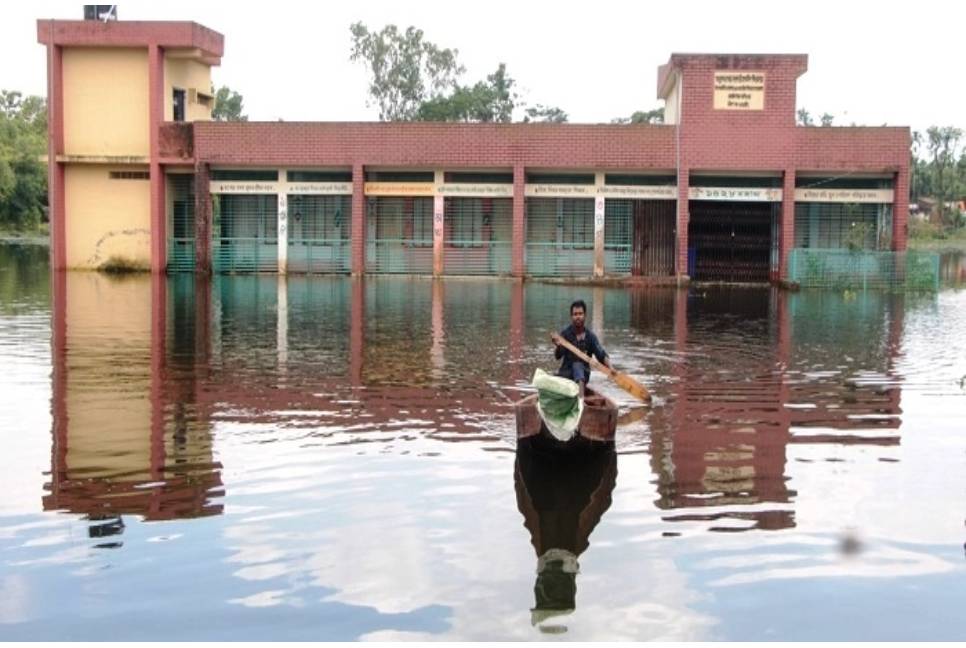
column 561, row 498
column 127, row 438
column 752, row 378
column 146, row 370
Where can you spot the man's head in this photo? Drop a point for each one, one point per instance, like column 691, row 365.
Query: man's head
column 578, row 310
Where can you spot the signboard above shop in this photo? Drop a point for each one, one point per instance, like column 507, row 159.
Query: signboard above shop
column 739, row 90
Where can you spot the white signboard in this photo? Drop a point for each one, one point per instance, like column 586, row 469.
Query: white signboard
column 740, row 194
column 559, row 191
column 642, row 192
column 886, row 196
column 739, row 90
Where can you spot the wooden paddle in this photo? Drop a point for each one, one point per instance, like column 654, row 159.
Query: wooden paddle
column 623, row 381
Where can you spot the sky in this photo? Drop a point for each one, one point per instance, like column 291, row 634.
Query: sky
column 870, row 63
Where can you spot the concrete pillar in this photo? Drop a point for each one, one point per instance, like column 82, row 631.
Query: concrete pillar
column 597, row 313
column 203, row 219
column 281, row 325
column 787, row 227
column 55, row 147
column 519, row 221
column 155, row 117
column 159, row 336
column 599, row 227
column 684, row 217
column 282, row 230
column 900, row 208
column 439, row 216
column 437, row 352
column 358, row 219
column 357, row 330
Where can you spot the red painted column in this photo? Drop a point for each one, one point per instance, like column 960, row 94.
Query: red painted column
column 159, row 334
column 357, row 331
column 519, row 221
column 155, row 115
column 203, row 219
column 684, row 217
column 900, row 209
column 55, row 147
column 358, row 219
column 786, row 237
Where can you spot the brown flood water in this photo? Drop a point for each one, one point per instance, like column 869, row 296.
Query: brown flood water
column 255, row 458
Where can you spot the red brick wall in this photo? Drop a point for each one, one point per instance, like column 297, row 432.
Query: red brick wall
column 431, row 145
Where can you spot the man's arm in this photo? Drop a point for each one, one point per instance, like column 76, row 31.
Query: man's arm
column 600, row 353
column 558, row 351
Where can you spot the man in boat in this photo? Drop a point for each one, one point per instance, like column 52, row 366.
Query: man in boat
column 584, row 339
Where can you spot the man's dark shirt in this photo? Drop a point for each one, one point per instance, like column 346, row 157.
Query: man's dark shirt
column 590, row 346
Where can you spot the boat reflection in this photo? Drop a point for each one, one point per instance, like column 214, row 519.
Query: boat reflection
column 562, row 498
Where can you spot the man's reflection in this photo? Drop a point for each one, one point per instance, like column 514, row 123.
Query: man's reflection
column 562, row 498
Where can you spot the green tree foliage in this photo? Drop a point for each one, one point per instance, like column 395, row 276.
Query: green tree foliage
column 228, row 105
column 943, row 145
column 412, row 79
column 492, row 100
column 541, row 113
column 23, row 175
column 406, row 70
column 655, row 116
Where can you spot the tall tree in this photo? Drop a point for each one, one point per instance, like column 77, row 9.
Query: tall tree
column 23, row 176
column 228, row 105
column 943, row 145
column 804, row 117
column 405, row 69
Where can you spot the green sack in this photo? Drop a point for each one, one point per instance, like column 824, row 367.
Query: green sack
column 558, row 403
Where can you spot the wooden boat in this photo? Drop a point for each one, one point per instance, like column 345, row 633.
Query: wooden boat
column 597, row 427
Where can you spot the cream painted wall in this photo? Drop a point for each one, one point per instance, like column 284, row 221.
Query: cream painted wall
column 106, row 101
column 105, row 217
column 671, row 103
column 186, row 74
column 108, row 375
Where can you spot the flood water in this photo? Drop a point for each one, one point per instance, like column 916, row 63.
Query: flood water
column 254, row 458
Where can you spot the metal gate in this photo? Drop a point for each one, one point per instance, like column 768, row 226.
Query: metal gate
column 618, row 236
column 855, row 226
column 655, row 238
column 478, row 236
column 732, row 241
column 399, row 236
column 560, row 236
column 245, row 233
column 319, row 233
column 181, row 219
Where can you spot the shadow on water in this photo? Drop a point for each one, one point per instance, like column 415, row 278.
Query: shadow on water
column 562, row 498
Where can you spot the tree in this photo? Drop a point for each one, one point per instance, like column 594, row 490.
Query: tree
column 23, row 176
column 406, row 71
column 943, row 145
column 655, row 116
column 826, row 119
column 541, row 113
column 492, row 100
column 228, row 105
column 804, row 117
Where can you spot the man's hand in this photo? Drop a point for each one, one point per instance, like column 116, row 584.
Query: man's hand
column 555, row 339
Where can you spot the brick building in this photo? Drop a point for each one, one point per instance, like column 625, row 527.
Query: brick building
column 725, row 189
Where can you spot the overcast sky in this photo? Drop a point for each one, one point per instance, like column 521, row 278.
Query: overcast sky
column 869, row 62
